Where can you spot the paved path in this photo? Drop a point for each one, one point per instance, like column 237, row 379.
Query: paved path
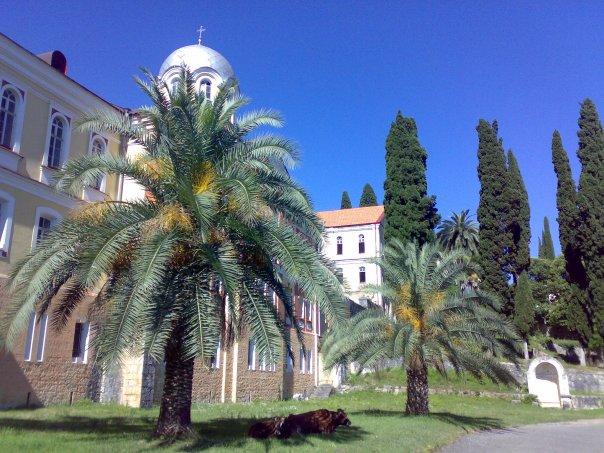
column 575, row 437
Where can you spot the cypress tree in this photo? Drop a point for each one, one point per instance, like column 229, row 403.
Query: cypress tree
column 568, row 226
column 409, row 212
column 368, row 197
column 546, row 244
column 568, row 213
column 524, row 306
column 591, row 207
column 540, row 248
column 492, row 211
column 345, row 203
column 518, row 219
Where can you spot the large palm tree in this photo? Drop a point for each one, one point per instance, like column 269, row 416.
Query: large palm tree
column 459, row 231
column 433, row 323
column 219, row 227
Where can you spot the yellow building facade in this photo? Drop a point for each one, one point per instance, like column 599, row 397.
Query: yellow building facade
column 39, row 110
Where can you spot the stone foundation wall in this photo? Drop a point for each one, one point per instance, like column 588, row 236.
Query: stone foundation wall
column 579, row 380
column 55, row 379
column 585, row 381
column 253, row 384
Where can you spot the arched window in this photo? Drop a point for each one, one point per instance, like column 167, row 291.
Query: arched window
column 174, row 85
column 98, row 149
column 57, row 142
column 339, row 245
column 362, row 277
column 205, row 88
column 8, row 111
column 361, row 243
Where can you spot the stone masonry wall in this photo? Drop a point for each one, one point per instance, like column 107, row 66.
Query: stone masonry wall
column 55, row 379
column 252, row 384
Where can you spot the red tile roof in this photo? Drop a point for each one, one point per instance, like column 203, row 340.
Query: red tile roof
column 352, row 216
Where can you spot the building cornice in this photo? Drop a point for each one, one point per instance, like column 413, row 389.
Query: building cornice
column 40, row 73
column 358, row 227
column 38, row 189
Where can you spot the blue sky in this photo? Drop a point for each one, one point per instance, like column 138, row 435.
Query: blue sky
column 339, row 71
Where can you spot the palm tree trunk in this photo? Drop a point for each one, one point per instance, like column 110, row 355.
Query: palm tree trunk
column 175, row 411
column 417, row 388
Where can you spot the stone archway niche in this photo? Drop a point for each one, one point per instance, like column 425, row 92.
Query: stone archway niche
column 547, row 380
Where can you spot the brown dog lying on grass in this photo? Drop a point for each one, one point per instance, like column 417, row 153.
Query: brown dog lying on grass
column 321, row 421
column 267, row 428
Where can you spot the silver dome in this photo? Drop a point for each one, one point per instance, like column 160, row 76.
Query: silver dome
column 196, row 57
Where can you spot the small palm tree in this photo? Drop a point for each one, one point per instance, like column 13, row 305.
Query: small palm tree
column 218, row 230
column 433, row 323
column 459, row 231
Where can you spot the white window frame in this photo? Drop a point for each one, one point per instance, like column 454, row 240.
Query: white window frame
column 309, row 361
column 251, row 345
column 362, row 270
column 173, row 85
column 362, row 241
column 302, row 361
column 66, row 139
column 204, row 82
column 29, row 339
column 84, row 340
column 216, row 364
column 98, row 138
column 42, row 211
column 7, row 213
column 339, row 246
column 19, row 113
column 43, row 327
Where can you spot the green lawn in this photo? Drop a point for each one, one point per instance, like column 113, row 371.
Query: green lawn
column 398, row 377
column 378, row 424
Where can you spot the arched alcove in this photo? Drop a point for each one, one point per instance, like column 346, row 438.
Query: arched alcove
column 547, row 380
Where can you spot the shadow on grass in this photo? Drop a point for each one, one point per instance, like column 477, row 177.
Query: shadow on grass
column 466, row 422
column 229, row 432
column 224, row 432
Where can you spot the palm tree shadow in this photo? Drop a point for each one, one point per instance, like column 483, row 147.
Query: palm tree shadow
column 466, row 422
column 223, row 432
column 103, row 426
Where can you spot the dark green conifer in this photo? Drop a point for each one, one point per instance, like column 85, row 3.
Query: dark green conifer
column 410, row 213
column 368, row 197
column 492, row 212
column 345, row 203
column 568, row 213
column 546, row 244
column 568, row 227
column 524, row 306
column 518, row 220
column 591, row 209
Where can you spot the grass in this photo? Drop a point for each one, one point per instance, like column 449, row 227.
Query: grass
column 461, row 382
column 378, row 424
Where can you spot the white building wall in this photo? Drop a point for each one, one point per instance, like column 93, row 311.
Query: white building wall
column 351, row 260
column 131, row 190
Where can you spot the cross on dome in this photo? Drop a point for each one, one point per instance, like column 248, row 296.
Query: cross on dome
column 200, row 30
